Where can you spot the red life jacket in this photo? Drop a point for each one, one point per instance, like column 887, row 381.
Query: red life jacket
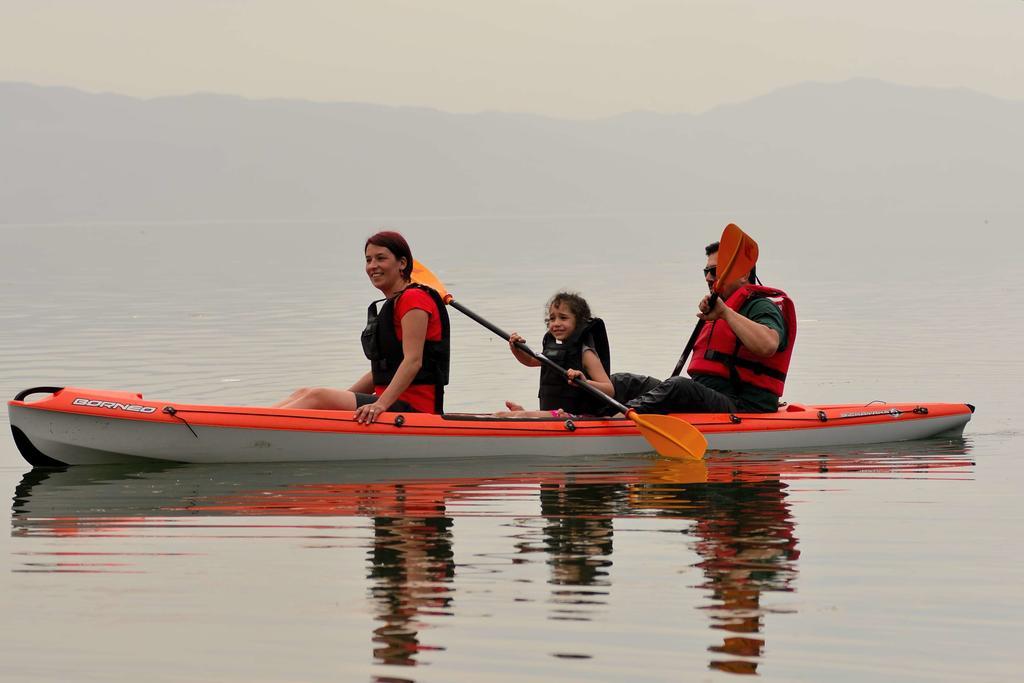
column 719, row 352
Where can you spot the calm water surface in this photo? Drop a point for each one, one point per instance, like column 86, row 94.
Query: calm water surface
column 887, row 562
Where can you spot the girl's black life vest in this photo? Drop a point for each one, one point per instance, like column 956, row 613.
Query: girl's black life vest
column 555, row 390
column 384, row 350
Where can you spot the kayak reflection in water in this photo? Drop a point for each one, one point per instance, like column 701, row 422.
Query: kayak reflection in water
column 406, row 342
column 577, row 341
column 740, row 358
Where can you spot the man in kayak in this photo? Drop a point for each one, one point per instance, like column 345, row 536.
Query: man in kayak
column 740, row 358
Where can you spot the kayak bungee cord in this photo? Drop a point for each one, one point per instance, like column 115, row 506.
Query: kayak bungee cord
column 173, row 412
column 506, row 423
column 571, row 425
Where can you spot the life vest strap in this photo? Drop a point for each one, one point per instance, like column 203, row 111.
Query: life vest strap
column 753, row 366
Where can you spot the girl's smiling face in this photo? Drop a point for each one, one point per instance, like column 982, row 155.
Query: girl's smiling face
column 561, row 322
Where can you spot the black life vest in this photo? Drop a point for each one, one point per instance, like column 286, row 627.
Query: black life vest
column 555, row 390
column 384, row 350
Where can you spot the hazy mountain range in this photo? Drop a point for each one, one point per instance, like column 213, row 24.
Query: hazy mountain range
column 67, row 155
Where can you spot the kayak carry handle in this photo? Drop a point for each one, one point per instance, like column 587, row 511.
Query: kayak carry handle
column 37, row 390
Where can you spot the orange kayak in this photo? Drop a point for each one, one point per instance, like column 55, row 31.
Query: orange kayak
column 76, row 426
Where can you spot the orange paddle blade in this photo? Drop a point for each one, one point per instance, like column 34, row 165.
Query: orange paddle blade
column 422, row 275
column 658, row 486
column 670, row 436
column 665, row 471
column 737, row 254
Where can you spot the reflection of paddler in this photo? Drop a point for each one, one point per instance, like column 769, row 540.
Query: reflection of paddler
column 578, row 533
column 746, row 538
column 411, row 563
column 747, row 553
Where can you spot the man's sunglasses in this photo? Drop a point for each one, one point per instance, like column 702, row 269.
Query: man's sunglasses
column 712, row 271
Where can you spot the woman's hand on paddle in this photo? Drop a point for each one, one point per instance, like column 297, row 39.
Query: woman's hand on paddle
column 369, row 412
column 572, row 375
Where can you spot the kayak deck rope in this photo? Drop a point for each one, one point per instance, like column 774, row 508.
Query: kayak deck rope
column 172, row 411
column 523, row 426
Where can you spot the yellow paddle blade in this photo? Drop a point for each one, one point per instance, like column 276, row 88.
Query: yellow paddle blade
column 422, row 275
column 670, row 436
column 737, row 254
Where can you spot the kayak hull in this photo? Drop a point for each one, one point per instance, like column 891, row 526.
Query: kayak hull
column 85, row 426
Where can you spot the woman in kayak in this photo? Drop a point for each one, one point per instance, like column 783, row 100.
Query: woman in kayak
column 407, row 343
column 578, row 342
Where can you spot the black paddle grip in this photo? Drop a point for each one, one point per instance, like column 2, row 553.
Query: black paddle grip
column 693, row 337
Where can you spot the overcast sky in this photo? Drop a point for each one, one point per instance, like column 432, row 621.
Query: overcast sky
column 567, row 58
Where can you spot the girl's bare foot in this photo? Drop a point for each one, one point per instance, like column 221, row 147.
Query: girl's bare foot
column 512, row 405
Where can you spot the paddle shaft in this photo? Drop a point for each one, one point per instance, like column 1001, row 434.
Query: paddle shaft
column 670, row 436
column 582, row 383
column 693, row 338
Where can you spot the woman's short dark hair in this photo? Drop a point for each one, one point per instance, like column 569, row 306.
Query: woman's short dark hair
column 576, row 304
column 396, row 244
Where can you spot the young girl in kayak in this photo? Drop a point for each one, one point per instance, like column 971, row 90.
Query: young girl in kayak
column 578, row 342
column 406, row 342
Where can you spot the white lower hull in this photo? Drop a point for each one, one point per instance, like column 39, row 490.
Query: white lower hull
column 74, row 439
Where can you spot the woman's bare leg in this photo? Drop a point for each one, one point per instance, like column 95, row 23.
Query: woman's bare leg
column 294, row 395
column 319, row 398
